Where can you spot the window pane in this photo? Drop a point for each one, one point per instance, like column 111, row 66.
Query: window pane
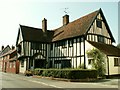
column 100, row 39
column 99, row 23
column 51, row 47
column 116, row 62
column 70, row 43
column 64, row 44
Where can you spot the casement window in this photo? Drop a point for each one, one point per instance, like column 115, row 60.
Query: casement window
column 63, row 63
column 88, row 37
column 82, row 39
column 90, row 61
column 51, row 47
column 64, row 44
column 78, row 40
column 101, row 39
column 56, row 44
column 57, row 61
column 22, row 63
column 66, row 64
column 116, row 61
column 70, row 43
column 99, row 23
column 36, row 46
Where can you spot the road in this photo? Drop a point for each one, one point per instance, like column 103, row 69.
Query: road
column 13, row 81
column 23, row 82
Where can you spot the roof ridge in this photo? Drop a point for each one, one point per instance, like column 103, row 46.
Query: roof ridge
column 29, row 27
column 76, row 20
column 108, row 49
column 5, row 48
column 77, row 27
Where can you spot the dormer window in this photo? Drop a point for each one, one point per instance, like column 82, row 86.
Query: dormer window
column 101, row 39
column 99, row 23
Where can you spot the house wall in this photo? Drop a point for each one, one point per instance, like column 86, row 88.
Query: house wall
column 9, row 63
column 1, row 63
column 73, row 52
column 22, row 69
column 20, row 42
column 95, row 32
column 4, row 61
column 113, row 70
column 36, row 50
column 33, row 48
column 22, row 49
column 20, row 38
column 11, row 67
column 88, row 47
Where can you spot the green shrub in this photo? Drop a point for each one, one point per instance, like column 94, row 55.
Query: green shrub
column 99, row 61
column 69, row 73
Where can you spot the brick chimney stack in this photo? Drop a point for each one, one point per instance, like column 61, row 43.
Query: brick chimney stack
column 44, row 25
column 2, row 47
column 13, row 47
column 65, row 19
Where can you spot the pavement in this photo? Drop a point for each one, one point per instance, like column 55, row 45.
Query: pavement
column 37, row 81
column 113, row 82
column 109, row 81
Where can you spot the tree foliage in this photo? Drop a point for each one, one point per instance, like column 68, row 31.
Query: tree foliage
column 98, row 60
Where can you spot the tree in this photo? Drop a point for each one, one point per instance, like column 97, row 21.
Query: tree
column 118, row 45
column 98, row 61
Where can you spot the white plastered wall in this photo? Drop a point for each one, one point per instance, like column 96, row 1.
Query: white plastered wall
column 23, row 69
column 113, row 70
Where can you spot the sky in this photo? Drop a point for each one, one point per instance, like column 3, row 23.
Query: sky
column 31, row 13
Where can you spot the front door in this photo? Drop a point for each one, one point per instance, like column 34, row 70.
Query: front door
column 40, row 63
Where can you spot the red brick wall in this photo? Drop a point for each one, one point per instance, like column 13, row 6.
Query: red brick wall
column 13, row 67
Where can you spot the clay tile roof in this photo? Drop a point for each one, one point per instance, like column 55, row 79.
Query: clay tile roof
column 75, row 28
column 9, row 52
column 109, row 50
column 35, row 34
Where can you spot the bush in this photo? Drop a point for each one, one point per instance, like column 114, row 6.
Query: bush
column 28, row 73
column 98, row 61
column 68, row 73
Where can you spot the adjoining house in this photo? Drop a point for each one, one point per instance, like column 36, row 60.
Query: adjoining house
column 66, row 46
column 112, row 56
column 3, row 51
column 8, row 59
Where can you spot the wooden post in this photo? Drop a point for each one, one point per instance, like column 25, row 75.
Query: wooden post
column 84, row 54
column 108, row 67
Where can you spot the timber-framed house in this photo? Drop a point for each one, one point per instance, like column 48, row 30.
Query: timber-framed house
column 66, row 46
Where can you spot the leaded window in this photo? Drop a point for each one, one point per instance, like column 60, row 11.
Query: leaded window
column 99, row 23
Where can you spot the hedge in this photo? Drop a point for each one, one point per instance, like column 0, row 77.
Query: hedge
column 67, row 73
